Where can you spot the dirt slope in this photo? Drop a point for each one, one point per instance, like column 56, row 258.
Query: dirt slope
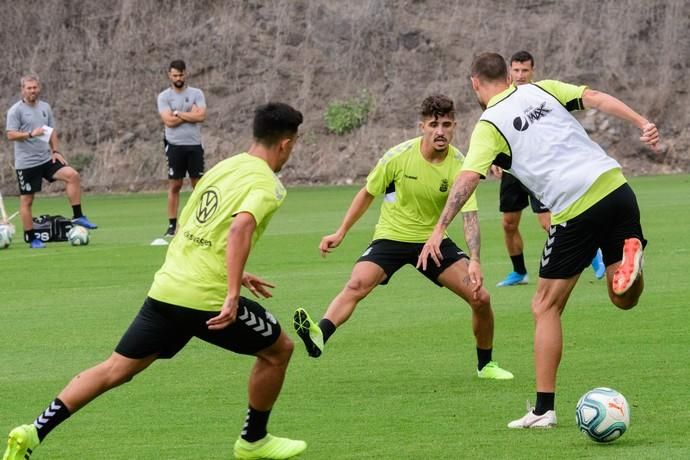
column 103, row 64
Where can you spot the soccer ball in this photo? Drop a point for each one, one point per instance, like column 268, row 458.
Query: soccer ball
column 603, row 414
column 78, row 236
column 6, row 234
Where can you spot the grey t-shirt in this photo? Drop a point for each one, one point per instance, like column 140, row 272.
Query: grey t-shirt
column 186, row 133
column 24, row 117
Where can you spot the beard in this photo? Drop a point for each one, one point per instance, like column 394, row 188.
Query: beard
column 178, row 84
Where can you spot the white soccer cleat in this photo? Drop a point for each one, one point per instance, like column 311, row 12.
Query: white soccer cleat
column 531, row 420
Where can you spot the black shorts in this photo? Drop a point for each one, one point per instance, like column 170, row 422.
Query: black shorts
column 514, row 196
column 392, row 255
column 31, row 179
column 183, row 159
column 571, row 246
column 164, row 329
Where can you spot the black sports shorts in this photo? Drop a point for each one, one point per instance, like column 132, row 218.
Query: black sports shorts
column 514, row 196
column 570, row 246
column 392, row 255
column 183, row 159
column 31, row 179
column 165, row 329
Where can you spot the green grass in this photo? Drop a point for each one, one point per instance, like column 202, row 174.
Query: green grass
column 397, row 382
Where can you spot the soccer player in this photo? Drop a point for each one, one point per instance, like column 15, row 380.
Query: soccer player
column 414, row 178
column 514, row 196
column 529, row 130
column 182, row 109
column 196, row 293
column 29, row 122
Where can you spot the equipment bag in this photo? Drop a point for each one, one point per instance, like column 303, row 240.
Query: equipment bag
column 51, row 228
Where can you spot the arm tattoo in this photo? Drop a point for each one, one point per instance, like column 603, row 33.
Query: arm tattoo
column 457, row 198
column 472, row 235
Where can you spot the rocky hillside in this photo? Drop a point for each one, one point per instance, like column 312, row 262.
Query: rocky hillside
column 102, row 65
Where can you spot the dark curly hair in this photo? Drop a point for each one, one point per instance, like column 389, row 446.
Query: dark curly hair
column 436, row 106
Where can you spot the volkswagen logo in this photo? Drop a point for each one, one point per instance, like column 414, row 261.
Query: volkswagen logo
column 208, row 205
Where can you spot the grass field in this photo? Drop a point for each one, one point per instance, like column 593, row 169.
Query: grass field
column 396, row 382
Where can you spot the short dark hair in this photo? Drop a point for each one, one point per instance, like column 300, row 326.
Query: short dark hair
column 178, row 64
column 275, row 121
column 436, row 106
column 489, row 67
column 522, row 56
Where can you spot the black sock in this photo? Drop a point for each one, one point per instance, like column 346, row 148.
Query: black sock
column 54, row 415
column 28, row 236
column 255, row 424
column 545, row 402
column 327, row 327
column 76, row 211
column 483, row 357
column 172, row 222
column 519, row 264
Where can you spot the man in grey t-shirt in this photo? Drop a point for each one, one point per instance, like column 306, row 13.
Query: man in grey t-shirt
column 30, row 125
column 182, row 109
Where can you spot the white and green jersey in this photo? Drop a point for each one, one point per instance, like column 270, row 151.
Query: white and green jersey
column 415, row 191
column 529, row 131
column 194, row 273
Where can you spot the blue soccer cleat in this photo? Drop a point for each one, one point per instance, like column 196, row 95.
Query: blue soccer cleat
column 513, row 279
column 37, row 244
column 84, row 222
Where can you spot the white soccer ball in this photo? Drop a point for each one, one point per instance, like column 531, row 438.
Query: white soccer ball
column 6, row 234
column 603, row 414
column 78, row 236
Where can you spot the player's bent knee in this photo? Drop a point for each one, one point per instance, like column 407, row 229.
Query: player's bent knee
column 542, row 307
column 280, row 352
column 356, row 288
column 70, row 174
column 482, row 302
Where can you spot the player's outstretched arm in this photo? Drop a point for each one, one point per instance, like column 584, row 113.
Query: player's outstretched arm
column 613, row 106
column 464, row 186
column 360, row 204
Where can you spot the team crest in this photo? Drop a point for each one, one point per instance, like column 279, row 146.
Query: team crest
column 444, row 186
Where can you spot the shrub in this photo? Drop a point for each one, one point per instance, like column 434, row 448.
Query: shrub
column 344, row 116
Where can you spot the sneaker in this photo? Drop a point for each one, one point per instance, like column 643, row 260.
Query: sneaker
column 270, row 447
column 513, row 279
column 309, row 332
column 22, row 441
column 630, row 267
column 492, row 371
column 598, row 265
column 532, row 420
column 37, row 244
column 169, row 232
column 84, row 222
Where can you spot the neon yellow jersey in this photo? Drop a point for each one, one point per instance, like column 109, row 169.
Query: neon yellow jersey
column 528, row 131
column 194, row 273
column 415, row 191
